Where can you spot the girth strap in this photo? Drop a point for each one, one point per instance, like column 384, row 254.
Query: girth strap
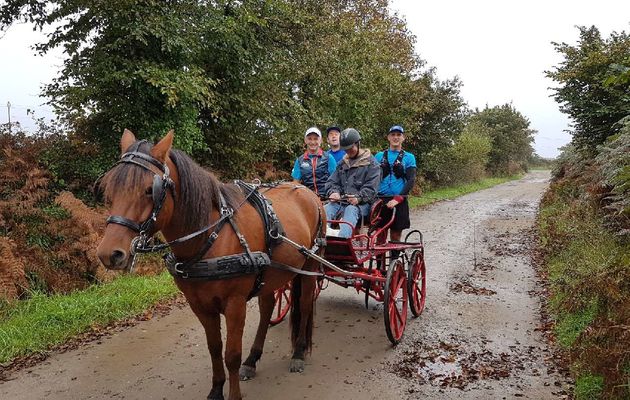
column 224, row 267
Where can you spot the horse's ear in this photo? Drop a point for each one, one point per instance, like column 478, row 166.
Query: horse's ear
column 127, row 139
column 163, row 147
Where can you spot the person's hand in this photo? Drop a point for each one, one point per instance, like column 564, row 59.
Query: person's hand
column 392, row 203
column 334, row 196
column 353, row 200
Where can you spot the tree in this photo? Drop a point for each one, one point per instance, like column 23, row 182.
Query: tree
column 511, row 138
column 593, row 89
column 463, row 161
column 239, row 81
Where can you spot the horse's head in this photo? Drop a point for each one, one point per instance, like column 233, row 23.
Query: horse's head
column 139, row 192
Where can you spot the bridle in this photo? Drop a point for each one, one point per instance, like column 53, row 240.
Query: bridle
column 161, row 185
column 143, row 243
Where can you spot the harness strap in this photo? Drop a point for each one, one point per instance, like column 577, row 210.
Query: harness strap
column 129, row 157
column 126, row 222
column 289, row 268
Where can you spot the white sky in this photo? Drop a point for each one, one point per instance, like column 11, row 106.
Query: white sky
column 499, row 49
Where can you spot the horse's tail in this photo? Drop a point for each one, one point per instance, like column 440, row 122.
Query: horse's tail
column 303, row 343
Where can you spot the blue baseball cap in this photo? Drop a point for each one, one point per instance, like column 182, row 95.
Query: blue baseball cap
column 396, row 128
column 333, row 128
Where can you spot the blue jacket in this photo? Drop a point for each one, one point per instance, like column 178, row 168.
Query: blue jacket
column 313, row 170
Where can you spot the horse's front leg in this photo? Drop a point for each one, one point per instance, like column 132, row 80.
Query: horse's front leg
column 265, row 305
column 212, row 326
column 235, row 323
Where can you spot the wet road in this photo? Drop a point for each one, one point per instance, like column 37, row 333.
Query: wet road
column 476, row 339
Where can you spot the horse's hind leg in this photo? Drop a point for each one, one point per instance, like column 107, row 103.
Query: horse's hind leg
column 265, row 305
column 303, row 288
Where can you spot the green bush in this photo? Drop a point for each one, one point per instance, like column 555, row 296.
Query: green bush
column 465, row 161
column 614, row 165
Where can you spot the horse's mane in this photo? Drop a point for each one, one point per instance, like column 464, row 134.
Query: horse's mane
column 199, row 190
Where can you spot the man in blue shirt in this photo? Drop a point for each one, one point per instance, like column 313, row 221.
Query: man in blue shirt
column 399, row 174
column 314, row 167
column 332, row 136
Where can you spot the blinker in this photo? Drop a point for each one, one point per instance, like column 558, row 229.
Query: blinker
column 157, row 189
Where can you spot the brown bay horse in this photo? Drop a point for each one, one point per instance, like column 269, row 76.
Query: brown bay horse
column 195, row 199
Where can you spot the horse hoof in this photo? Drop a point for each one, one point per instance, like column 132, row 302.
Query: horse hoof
column 246, row 372
column 296, row 365
column 216, row 394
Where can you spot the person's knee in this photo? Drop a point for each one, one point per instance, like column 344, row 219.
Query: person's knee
column 331, row 210
column 351, row 214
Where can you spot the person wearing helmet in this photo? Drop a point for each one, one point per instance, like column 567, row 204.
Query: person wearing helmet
column 332, row 136
column 313, row 168
column 354, row 184
column 398, row 169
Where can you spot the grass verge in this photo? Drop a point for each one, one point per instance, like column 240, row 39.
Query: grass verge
column 43, row 321
column 452, row 192
column 589, row 275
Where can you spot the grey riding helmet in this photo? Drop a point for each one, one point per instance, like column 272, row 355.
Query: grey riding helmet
column 348, row 138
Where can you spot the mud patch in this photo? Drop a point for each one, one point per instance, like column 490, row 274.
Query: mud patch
column 484, row 266
column 467, row 287
column 453, row 364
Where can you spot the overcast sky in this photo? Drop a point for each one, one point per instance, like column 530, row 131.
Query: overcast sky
column 499, row 50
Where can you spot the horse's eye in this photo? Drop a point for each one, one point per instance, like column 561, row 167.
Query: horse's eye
column 149, row 191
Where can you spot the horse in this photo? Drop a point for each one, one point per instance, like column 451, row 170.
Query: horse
column 157, row 188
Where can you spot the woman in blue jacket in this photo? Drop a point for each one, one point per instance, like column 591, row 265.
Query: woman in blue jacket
column 313, row 168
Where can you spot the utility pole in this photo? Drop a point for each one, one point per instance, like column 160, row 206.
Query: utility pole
column 9, row 115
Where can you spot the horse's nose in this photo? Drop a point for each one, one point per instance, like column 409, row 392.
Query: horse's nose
column 117, row 257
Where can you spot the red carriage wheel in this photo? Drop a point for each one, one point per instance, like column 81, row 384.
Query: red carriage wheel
column 281, row 305
column 395, row 301
column 417, row 282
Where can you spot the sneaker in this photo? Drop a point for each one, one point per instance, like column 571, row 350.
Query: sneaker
column 332, row 232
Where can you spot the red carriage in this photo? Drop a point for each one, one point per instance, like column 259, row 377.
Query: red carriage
column 390, row 272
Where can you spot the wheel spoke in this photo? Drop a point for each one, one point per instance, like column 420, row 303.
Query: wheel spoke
column 398, row 315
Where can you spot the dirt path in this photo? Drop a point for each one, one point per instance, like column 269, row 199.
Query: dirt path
column 477, row 338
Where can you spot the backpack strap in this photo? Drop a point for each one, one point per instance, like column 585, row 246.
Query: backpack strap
column 400, row 156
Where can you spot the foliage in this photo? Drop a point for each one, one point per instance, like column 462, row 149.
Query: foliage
column 614, row 162
column 594, row 88
column 238, row 81
column 538, row 162
column 589, row 271
column 588, row 387
column 511, row 138
column 464, row 161
column 48, row 237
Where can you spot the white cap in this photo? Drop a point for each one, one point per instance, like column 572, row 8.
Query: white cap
column 313, row 129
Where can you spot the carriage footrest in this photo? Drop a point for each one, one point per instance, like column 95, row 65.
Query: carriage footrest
column 225, row 267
